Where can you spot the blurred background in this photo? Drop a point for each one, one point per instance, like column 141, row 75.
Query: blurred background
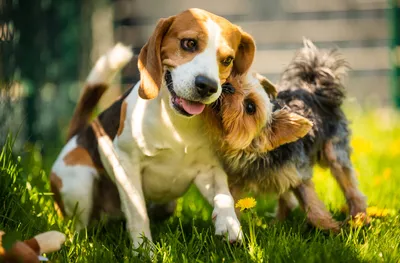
column 47, row 48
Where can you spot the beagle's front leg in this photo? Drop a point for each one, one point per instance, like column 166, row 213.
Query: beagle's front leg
column 132, row 199
column 213, row 185
column 123, row 167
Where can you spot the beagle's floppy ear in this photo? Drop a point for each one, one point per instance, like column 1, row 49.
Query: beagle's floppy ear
column 244, row 55
column 268, row 86
column 286, row 127
column 149, row 63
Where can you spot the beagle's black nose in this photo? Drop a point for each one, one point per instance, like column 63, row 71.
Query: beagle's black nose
column 205, row 86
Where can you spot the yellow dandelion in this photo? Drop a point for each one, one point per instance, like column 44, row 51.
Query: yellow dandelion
column 387, row 173
column 385, row 176
column 361, row 145
column 359, row 220
column 374, row 211
column 394, row 149
column 246, row 203
column 377, row 181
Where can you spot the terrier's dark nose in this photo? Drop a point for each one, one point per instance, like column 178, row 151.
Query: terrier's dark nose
column 205, row 86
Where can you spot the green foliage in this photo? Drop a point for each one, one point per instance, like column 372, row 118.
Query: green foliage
column 27, row 209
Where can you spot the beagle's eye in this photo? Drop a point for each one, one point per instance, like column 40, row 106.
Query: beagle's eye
column 226, row 62
column 189, row 44
column 250, row 107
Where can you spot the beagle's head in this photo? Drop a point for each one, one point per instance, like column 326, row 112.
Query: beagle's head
column 245, row 118
column 192, row 54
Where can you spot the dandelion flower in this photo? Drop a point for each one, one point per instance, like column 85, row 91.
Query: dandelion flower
column 361, row 145
column 394, row 149
column 387, row 173
column 377, row 181
column 359, row 220
column 246, row 203
column 374, row 211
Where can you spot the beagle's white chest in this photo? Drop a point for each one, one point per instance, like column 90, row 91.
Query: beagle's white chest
column 169, row 174
column 171, row 151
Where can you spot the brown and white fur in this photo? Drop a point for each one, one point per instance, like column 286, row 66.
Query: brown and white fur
column 158, row 143
column 272, row 144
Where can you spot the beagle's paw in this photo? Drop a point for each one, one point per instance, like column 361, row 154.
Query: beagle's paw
column 226, row 222
column 142, row 243
column 142, row 248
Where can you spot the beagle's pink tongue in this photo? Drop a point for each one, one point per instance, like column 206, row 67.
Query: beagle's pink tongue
column 192, row 107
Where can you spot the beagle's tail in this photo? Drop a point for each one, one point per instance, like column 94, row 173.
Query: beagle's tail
column 98, row 81
column 320, row 72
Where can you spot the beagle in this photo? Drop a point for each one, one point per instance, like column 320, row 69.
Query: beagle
column 150, row 145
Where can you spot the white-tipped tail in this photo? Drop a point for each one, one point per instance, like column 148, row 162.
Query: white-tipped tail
column 50, row 241
column 108, row 65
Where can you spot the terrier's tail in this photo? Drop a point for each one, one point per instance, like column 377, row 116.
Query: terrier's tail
column 321, row 71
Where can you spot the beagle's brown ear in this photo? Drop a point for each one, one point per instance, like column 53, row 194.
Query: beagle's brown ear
column 286, row 127
column 268, row 86
column 244, row 55
column 149, row 63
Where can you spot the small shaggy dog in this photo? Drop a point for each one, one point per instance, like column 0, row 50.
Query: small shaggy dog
column 257, row 135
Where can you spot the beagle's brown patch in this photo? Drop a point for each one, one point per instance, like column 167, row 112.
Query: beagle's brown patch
column 55, row 186
column 87, row 102
column 162, row 50
column 122, row 118
column 78, row 156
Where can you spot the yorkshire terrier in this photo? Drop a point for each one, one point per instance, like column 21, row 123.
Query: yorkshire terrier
column 269, row 139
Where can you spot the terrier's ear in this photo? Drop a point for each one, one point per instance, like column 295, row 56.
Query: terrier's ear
column 268, row 86
column 286, row 127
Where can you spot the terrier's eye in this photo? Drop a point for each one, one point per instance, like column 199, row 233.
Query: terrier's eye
column 250, row 107
column 189, row 44
column 226, row 62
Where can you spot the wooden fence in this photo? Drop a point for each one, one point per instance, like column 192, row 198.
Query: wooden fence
column 358, row 27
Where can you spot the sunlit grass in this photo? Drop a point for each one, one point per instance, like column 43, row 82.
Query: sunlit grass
column 26, row 209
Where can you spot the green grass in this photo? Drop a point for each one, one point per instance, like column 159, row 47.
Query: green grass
column 26, row 209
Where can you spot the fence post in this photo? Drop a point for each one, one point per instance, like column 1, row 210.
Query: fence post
column 394, row 20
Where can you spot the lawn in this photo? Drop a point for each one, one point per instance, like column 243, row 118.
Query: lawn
column 27, row 209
